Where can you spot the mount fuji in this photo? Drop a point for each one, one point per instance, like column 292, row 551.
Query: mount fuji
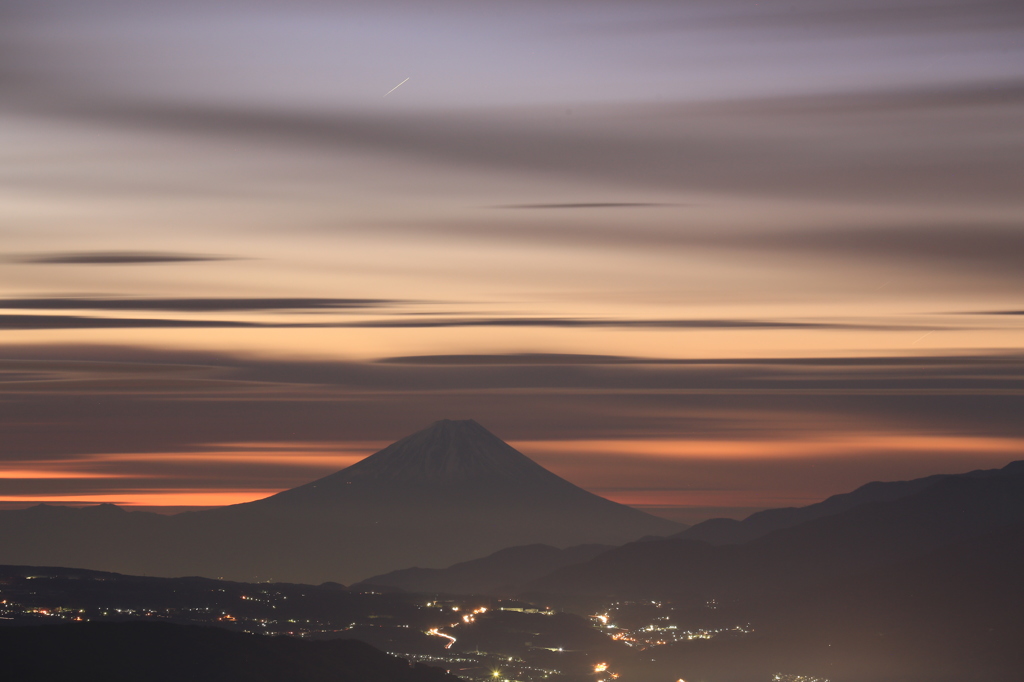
column 451, row 492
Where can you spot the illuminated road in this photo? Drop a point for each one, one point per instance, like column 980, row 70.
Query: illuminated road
column 437, row 633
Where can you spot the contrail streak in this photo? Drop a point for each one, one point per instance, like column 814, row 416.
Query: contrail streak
column 396, row 87
column 922, row 338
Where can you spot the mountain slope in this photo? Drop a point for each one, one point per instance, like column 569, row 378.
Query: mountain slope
column 448, row 453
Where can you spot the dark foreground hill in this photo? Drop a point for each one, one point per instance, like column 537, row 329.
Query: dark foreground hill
column 161, row 652
column 955, row 614
column 449, row 493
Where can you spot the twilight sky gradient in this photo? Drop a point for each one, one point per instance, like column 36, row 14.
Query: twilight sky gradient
column 702, row 257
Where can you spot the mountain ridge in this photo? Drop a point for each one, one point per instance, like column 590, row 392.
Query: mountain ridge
column 722, row 531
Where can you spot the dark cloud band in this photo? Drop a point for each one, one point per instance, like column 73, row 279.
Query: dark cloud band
column 25, row 322
column 115, row 258
column 192, row 304
column 623, row 204
column 943, row 361
column 719, row 150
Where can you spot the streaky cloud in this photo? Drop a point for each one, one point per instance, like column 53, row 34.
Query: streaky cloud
column 990, row 247
column 586, row 359
column 192, row 304
column 720, row 153
column 917, row 373
column 611, row 323
column 621, row 204
column 115, row 258
column 518, row 359
column 25, row 322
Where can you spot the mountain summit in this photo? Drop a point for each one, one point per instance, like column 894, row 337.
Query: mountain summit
column 447, row 452
column 446, row 456
column 455, row 486
column 451, row 492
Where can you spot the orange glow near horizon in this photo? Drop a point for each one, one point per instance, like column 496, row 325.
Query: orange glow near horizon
column 154, row 498
column 30, row 474
column 299, row 454
column 758, row 449
column 284, row 457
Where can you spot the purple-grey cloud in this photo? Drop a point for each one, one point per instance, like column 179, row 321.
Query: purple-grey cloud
column 993, row 248
column 621, row 204
column 192, row 304
column 40, row 321
column 853, row 144
column 115, row 258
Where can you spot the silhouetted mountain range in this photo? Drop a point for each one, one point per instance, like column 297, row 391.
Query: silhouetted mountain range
column 731, row 531
column 448, row 493
column 875, row 533
column 161, row 652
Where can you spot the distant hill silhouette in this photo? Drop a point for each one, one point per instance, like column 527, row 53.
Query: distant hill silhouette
column 162, row 652
column 449, row 493
column 503, row 573
column 731, row 531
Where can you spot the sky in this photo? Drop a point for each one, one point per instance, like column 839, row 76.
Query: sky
column 699, row 257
